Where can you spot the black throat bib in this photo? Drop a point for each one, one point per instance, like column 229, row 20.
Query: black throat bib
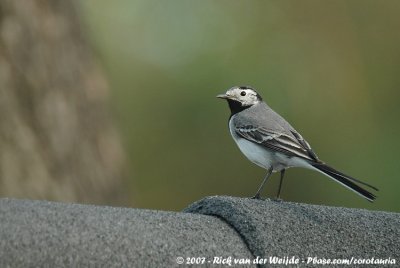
column 236, row 106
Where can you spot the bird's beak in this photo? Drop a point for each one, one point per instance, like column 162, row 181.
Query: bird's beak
column 223, row 96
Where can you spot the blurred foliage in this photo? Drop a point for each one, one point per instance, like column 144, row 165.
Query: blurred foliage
column 329, row 67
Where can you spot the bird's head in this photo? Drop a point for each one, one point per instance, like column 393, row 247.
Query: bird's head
column 241, row 97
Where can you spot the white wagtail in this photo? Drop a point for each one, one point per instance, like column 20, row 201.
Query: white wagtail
column 270, row 142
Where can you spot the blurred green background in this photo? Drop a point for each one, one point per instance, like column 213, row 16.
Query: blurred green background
column 331, row 68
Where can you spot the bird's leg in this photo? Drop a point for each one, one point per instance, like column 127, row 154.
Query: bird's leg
column 280, row 184
column 257, row 195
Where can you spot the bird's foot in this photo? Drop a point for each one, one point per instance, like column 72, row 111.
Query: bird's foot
column 277, row 199
column 257, row 196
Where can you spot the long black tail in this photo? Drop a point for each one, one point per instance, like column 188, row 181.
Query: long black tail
column 346, row 180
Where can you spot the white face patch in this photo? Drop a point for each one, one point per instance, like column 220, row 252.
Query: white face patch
column 246, row 96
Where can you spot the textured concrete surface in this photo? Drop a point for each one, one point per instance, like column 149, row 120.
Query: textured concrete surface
column 276, row 228
column 49, row 234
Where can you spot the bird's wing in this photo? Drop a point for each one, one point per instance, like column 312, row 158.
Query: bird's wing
column 305, row 145
column 292, row 145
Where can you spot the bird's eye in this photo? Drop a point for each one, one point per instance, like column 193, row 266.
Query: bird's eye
column 243, row 93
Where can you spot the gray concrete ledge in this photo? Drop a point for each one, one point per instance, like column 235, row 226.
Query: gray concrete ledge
column 50, row 234
column 276, row 228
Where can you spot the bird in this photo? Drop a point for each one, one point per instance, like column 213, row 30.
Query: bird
column 270, row 142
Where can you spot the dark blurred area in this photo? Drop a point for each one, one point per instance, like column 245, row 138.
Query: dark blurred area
column 57, row 139
column 329, row 67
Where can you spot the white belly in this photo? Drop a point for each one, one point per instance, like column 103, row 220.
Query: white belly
column 255, row 153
